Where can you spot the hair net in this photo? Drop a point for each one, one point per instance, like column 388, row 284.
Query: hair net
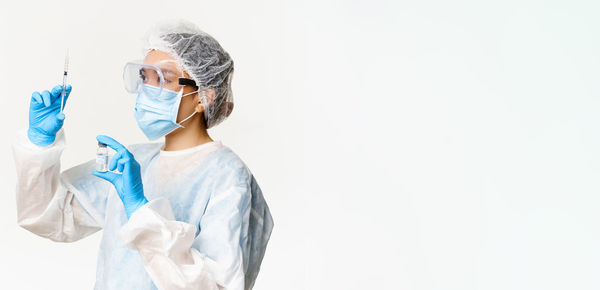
column 203, row 59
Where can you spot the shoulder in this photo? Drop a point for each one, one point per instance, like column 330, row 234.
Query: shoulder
column 227, row 165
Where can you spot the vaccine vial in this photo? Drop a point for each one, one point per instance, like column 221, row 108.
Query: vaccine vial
column 102, row 158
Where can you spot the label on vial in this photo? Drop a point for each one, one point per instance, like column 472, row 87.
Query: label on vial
column 101, row 162
column 101, row 159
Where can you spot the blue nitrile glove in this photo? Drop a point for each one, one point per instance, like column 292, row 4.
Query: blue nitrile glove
column 129, row 183
column 45, row 118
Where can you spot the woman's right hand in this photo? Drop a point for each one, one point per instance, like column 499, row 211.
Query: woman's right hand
column 45, row 118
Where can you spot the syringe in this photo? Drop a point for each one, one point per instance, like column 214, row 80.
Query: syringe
column 64, row 86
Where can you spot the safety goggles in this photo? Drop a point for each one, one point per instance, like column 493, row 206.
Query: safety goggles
column 166, row 74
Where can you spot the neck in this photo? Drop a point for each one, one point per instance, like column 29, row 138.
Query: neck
column 194, row 134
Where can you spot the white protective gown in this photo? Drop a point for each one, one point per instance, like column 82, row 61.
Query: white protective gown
column 206, row 225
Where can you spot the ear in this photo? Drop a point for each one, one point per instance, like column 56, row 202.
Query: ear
column 205, row 97
column 229, row 108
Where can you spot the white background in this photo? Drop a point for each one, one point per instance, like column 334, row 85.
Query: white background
column 400, row 144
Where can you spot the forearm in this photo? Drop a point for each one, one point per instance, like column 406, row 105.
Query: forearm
column 165, row 246
column 45, row 205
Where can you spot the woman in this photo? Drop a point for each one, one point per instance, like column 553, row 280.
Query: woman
column 186, row 214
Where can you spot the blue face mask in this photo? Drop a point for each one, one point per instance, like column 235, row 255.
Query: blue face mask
column 157, row 116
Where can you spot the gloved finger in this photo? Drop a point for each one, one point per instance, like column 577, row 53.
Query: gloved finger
column 121, row 164
column 56, row 92
column 113, row 161
column 37, row 98
column 109, row 176
column 121, row 156
column 60, row 118
column 46, row 98
column 68, row 90
column 112, row 143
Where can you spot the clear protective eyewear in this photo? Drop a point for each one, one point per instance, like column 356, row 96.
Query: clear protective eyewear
column 166, row 74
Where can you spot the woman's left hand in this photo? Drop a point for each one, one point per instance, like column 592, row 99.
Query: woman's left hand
column 128, row 183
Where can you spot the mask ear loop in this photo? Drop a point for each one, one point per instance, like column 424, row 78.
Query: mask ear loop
column 182, row 82
column 185, row 81
column 194, row 113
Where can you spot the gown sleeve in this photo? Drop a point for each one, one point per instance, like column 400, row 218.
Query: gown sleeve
column 177, row 259
column 61, row 207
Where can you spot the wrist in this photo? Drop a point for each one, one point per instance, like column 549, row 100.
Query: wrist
column 40, row 139
column 130, row 210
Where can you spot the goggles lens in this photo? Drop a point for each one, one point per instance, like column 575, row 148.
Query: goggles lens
column 166, row 74
column 136, row 75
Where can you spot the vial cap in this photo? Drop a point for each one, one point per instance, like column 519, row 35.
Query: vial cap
column 101, row 144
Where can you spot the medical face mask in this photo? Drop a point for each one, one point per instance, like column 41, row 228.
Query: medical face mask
column 157, row 115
